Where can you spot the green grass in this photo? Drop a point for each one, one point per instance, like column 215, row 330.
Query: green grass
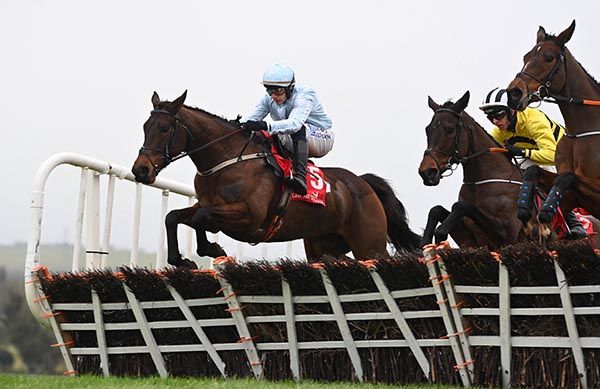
column 49, row 382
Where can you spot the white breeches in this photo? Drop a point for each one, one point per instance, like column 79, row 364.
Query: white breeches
column 524, row 163
column 319, row 141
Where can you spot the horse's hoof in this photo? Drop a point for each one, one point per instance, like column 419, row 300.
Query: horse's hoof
column 183, row 262
column 524, row 215
column 545, row 217
column 189, row 264
column 212, row 250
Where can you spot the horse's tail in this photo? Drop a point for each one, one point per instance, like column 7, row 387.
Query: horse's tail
column 399, row 234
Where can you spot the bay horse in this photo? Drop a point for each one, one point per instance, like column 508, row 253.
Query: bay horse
column 551, row 73
column 235, row 190
column 485, row 214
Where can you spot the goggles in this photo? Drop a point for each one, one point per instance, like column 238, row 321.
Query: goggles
column 496, row 115
column 275, row 90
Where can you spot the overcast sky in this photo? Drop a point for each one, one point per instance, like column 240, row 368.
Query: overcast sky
column 78, row 76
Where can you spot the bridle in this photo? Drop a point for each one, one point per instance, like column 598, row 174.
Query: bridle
column 543, row 91
column 454, row 159
column 166, row 153
column 545, row 94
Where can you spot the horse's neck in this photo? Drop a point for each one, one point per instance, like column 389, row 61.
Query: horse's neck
column 580, row 118
column 210, row 133
column 488, row 165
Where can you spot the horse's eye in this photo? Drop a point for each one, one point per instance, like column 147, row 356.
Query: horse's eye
column 163, row 129
column 548, row 58
column 449, row 130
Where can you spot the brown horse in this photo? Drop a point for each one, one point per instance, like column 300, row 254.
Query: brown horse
column 237, row 191
column 485, row 214
column 551, row 73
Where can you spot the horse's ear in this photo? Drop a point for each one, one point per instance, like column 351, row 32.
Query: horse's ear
column 432, row 104
column 541, row 34
column 176, row 105
column 564, row 36
column 462, row 103
column 155, row 100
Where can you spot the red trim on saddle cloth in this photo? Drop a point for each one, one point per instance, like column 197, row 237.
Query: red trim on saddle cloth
column 316, row 185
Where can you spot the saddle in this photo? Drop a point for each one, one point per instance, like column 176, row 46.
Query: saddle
column 280, row 160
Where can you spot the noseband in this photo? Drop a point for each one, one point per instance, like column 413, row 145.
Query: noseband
column 166, row 153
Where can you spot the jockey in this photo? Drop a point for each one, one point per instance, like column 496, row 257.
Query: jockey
column 298, row 118
column 530, row 136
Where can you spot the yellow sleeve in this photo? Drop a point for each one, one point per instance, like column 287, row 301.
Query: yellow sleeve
column 540, row 130
column 499, row 135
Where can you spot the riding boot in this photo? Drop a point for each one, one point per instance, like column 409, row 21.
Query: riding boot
column 576, row 229
column 298, row 179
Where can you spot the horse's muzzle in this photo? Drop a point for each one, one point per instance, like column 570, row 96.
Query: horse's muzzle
column 142, row 174
column 431, row 176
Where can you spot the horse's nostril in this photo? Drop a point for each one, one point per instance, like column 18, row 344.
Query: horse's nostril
column 140, row 171
column 515, row 93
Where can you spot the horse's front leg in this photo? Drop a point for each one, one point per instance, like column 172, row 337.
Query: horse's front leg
column 525, row 202
column 561, row 183
column 173, row 219
column 462, row 209
column 436, row 215
column 234, row 218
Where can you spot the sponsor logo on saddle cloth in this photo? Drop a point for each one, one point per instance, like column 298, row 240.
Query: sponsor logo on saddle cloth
column 316, row 186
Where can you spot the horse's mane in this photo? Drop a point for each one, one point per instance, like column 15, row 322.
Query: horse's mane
column 235, row 123
column 553, row 38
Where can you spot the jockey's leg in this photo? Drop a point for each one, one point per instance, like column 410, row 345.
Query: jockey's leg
column 576, row 229
column 298, row 180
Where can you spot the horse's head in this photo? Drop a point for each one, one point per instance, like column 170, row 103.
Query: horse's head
column 443, row 140
column 165, row 137
column 543, row 69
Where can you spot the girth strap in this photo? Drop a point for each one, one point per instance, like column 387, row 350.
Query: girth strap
column 493, row 180
column 231, row 161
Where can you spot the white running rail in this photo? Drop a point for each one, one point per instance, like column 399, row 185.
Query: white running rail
column 88, row 216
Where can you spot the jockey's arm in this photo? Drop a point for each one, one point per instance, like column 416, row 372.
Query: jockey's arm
column 540, row 131
column 260, row 111
column 303, row 105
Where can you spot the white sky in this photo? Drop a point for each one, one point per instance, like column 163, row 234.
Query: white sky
column 78, row 76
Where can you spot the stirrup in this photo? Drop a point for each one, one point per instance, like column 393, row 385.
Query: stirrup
column 296, row 184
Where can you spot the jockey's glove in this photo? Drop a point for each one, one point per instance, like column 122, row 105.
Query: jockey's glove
column 252, row 125
column 514, row 151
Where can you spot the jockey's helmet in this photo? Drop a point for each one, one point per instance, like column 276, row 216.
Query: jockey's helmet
column 495, row 101
column 279, row 75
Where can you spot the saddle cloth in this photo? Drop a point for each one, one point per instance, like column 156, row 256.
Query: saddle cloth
column 316, row 186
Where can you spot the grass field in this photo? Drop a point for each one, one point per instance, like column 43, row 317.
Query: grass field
column 50, row 382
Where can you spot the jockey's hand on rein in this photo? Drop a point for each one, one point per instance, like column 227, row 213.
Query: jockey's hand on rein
column 252, row 125
column 514, row 151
